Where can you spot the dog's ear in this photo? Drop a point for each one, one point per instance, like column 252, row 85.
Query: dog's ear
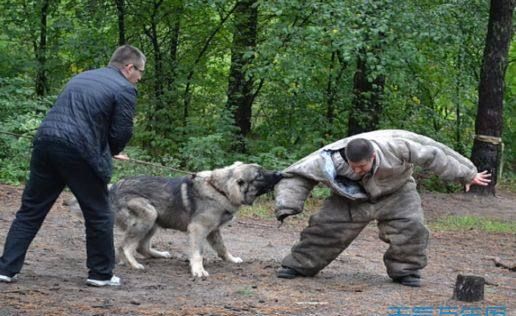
column 237, row 163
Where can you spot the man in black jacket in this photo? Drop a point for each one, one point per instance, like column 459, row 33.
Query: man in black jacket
column 91, row 121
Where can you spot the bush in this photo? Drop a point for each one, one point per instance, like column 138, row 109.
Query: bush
column 20, row 115
column 205, row 152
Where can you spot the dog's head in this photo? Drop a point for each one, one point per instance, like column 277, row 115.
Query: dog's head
column 243, row 183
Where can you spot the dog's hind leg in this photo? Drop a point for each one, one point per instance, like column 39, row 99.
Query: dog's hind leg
column 129, row 250
column 145, row 247
column 140, row 224
column 217, row 243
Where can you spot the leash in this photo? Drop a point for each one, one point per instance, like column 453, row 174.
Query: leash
column 142, row 162
column 17, row 135
column 193, row 174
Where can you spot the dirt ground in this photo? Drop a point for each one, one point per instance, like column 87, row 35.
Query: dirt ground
column 52, row 280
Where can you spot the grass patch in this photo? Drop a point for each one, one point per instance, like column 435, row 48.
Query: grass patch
column 246, row 291
column 508, row 182
column 262, row 208
column 463, row 223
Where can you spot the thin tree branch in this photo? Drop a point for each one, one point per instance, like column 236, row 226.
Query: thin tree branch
column 186, row 96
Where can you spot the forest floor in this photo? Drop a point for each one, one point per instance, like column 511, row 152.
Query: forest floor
column 52, row 280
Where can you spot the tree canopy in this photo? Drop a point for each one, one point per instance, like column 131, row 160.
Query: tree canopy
column 260, row 81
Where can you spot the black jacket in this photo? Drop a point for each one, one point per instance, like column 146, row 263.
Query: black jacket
column 94, row 115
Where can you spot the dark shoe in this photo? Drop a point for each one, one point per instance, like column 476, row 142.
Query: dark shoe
column 287, row 273
column 408, row 280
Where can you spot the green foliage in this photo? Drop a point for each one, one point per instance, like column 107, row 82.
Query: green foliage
column 205, row 152
column 440, row 71
column 428, row 181
column 20, row 115
column 465, row 223
column 303, row 68
column 320, row 192
column 269, row 160
column 508, row 182
column 509, row 132
column 14, row 160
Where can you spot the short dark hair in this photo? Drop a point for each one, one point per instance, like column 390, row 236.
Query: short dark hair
column 127, row 54
column 359, row 149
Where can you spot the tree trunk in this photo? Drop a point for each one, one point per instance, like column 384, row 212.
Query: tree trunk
column 240, row 86
column 367, row 106
column 330, row 92
column 158, row 66
column 41, row 52
column 157, row 117
column 174, row 46
column 459, row 144
column 368, row 81
column 487, row 146
column 120, row 12
column 152, row 33
column 334, row 81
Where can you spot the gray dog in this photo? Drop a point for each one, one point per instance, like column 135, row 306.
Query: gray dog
column 198, row 205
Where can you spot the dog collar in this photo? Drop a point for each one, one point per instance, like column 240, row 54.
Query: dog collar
column 218, row 190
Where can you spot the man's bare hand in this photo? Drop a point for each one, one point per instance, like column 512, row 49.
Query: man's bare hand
column 121, row 157
column 482, row 178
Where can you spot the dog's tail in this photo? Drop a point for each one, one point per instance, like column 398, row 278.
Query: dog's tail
column 73, row 205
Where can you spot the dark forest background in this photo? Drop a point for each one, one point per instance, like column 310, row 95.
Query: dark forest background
column 270, row 81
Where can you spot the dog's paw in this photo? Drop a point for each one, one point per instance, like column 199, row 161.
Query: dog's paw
column 230, row 258
column 197, row 267
column 161, row 254
column 138, row 266
column 200, row 273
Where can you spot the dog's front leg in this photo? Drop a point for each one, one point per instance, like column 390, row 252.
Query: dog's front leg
column 217, row 243
column 197, row 234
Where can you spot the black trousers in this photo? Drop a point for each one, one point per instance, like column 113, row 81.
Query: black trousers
column 53, row 166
